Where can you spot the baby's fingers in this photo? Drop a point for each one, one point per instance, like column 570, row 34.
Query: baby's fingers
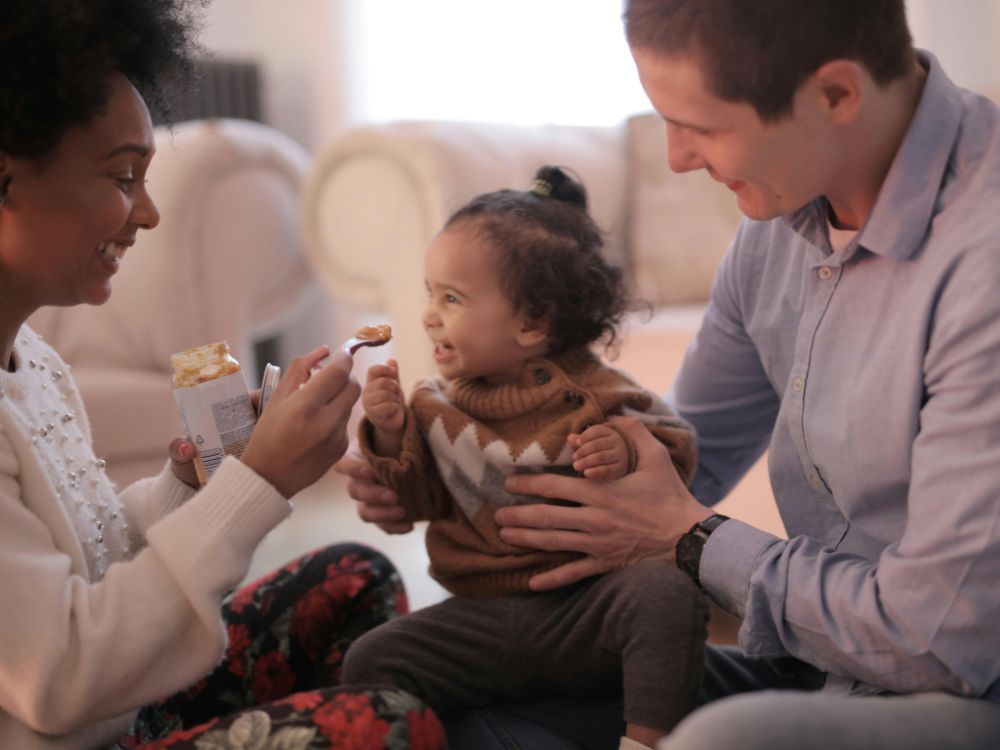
column 599, row 445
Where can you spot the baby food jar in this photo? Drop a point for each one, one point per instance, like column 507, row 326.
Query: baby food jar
column 214, row 404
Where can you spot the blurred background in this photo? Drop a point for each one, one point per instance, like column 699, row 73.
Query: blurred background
column 327, row 65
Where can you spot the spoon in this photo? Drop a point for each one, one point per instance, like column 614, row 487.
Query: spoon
column 367, row 336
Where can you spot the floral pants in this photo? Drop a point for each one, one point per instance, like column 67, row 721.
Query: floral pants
column 275, row 688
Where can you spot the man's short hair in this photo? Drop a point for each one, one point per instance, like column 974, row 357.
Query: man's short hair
column 761, row 51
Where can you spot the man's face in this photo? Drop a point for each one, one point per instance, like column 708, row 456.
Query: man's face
column 773, row 168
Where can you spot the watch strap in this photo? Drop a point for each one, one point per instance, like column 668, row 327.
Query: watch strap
column 691, row 544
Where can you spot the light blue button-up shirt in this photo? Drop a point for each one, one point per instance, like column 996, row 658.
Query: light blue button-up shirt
column 872, row 376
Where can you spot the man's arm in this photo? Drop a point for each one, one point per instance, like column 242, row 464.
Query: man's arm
column 924, row 615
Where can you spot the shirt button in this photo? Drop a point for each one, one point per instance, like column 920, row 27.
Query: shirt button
column 797, row 384
column 572, row 398
column 826, row 273
column 541, row 376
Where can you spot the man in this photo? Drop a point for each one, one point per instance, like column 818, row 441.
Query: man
column 854, row 332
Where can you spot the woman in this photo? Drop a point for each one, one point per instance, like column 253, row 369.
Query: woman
column 112, row 602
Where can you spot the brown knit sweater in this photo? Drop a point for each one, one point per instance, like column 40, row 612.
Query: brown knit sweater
column 463, row 437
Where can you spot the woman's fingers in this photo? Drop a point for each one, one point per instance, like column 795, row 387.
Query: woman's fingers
column 300, row 369
column 182, row 453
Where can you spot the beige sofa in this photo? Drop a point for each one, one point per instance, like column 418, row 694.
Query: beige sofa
column 376, row 195
column 226, row 262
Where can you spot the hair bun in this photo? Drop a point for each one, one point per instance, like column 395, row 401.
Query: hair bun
column 554, row 182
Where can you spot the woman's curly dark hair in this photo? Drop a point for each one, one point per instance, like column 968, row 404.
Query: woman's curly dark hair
column 58, row 56
column 551, row 265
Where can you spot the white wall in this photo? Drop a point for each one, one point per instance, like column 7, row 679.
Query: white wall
column 963, row 34
column 304, row 48
column 309, row 49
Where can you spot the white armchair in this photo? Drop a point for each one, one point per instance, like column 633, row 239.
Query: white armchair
column 376, row 195
column 226, row 262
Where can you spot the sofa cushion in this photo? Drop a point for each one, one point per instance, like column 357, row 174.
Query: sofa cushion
column 679, row 224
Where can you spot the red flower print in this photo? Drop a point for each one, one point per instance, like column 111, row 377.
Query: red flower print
column 239, row 642
column 244, row 597
column 312, row 622
column 341, row 586
column 402, row 602
column 350, row 722
column 181, row 735
column 426, row 732
column 272, row 678
column 295, row 564
column 305, row 701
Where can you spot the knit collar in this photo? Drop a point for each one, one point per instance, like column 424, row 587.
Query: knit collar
column 540, row 379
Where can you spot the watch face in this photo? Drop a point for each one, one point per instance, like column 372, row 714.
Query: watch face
column 688, row 554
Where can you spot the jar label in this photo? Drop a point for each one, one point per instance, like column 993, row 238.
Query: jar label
column 218, row 418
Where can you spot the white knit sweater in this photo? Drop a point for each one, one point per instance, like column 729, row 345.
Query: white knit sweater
column 107, row 602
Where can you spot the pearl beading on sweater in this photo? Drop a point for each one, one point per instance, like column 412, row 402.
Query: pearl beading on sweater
column 78, row 477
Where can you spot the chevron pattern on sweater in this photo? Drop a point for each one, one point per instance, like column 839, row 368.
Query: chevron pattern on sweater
column 475, row 475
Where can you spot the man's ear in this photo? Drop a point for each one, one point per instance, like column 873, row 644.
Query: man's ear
column 534, row 331
column 840, row 86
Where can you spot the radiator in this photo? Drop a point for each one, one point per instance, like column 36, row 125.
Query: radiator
column 222, row 88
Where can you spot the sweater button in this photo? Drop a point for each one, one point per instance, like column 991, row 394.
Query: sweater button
column 542, row 376
column 572, row 398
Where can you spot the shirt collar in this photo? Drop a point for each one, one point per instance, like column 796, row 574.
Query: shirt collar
column 903, row 210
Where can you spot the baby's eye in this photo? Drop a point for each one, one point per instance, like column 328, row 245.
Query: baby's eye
column 451, row 299
column 125, row 181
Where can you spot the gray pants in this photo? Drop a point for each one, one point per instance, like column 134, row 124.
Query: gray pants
column 640, row 630
column 754, row 706
column 748, row 704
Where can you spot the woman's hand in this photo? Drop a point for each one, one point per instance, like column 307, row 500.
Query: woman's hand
column 182, row 462
column 377, row 504
column 303, row 430
column 621, row 522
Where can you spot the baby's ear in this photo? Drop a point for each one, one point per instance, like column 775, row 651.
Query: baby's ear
column 534, row 331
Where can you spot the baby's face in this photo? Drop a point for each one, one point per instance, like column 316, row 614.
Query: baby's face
column 475, row 329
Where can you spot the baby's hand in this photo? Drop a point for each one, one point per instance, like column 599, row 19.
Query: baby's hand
column 382, row 398
column 601, row 453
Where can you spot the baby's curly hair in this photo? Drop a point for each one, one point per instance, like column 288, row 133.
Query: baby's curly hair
column 551, row 266
column 57, row 57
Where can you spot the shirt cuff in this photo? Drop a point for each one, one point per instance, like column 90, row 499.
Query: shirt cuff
column 728, row 561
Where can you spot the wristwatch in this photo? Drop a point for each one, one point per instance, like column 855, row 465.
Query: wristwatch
column 689, row 546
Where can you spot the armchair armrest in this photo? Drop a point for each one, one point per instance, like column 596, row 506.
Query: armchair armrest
column 377, row 195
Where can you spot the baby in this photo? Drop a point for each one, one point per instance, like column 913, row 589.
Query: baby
column 518, row 292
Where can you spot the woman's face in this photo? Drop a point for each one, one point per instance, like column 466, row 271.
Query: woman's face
column 68, row 221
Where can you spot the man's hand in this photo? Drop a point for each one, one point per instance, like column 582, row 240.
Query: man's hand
column 377, row 504
column 601, row 453
column 638, row 517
